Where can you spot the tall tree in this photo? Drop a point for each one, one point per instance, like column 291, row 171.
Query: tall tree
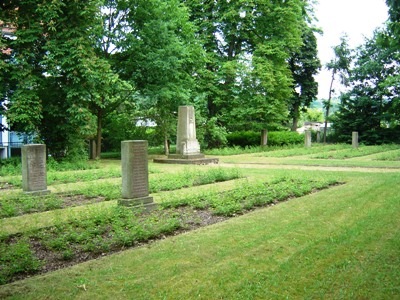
column 304, row 65
column 246, row 80
column 54, row 51
column 158, row 53
column 339, row 66
column 371, row 107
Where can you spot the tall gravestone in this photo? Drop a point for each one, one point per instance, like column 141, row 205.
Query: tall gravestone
column 135, row 175
column 34, row 176
column 264, row 137
column 354, row 139
column 187, row 145
column 307, row 139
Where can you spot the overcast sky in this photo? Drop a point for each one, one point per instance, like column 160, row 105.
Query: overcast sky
column 357, row 18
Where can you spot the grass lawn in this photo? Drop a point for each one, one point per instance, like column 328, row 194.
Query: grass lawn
column 339, row 243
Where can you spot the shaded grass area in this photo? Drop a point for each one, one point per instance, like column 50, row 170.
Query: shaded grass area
column 113, row 229
column 340, row 243
column 15, row 204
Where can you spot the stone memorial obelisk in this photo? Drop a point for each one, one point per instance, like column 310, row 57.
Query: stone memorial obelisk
column 307, row 139
column 187, row 145
column 354, row 139
column 34, row 176
column 135, row 175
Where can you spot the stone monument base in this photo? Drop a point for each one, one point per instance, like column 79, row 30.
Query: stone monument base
column 37, row 193
column 145, row 202
column 190, row 159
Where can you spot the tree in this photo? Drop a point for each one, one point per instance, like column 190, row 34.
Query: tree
column 371, row 106
column 304, row 65
column 246, row 82
column 158, row 53
column 54, row 76
column 339, row 65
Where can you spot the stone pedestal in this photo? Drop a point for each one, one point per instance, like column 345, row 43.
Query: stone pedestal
column 307, row 139
column 187, row 145
column 318, row 137
column 354, row 139
column 34, row 176
column 264, row 137
column 135, row 175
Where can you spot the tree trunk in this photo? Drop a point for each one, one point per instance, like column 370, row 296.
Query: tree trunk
column 296, row 115
column 328, row 105
column 98, row 136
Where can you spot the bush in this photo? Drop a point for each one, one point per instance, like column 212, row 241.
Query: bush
column 275, row 138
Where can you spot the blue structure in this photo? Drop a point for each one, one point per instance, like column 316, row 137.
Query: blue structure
column 10, row 140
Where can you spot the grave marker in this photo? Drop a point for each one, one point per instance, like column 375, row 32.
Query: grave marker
column 354, row 139
column 307, row 139
column 34, row 175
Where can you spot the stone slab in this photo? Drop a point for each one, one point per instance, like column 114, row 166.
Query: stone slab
column 34, row 174
column 145, row 202
column 186, row 156
column 38, row 193
column 198, row 161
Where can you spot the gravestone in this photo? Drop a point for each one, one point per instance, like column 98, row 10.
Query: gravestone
column 318, row 136
column 187, row 145
column 264, row 137
column 135, row 175
column 354, row 139
column 34, row 176
column 307, row 139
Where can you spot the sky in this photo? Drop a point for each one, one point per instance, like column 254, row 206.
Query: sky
column 357, row 18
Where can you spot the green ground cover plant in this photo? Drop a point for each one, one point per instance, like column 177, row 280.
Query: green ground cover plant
column 14, row 204
column 389, row 156
column 119, row 227
column 355, row 152
column 301, row 150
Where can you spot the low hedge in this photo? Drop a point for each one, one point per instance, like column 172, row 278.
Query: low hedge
column 275, row 138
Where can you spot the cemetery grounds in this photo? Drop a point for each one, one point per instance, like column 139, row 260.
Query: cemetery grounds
column 320, row 222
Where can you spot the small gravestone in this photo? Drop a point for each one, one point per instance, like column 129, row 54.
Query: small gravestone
column 318, row 136
column 307, row 139
column 187, row 145
column 34, row 176
column 264, row 137
column 135, row 175
column 354, row 139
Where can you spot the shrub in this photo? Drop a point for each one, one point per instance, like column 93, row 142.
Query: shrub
column 275, row 138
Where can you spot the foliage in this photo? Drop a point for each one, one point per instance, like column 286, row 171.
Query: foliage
column 245, row 79
column 304, row 65
column 54, row 78
column 372, row 105
column 275, row 138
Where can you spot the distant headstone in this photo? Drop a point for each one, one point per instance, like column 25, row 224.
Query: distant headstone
column 354, row 139
column 318, row 136
column 187, row 145
column 307, row 138
column 34, row 176
column 135, row 175
column 264, row 137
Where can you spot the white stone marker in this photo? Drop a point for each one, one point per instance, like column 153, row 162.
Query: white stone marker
column 307, row 139
column 34, row 175
column 354, row 139
column 264, row 137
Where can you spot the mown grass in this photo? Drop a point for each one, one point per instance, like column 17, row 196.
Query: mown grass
column 389, row 156
column 355, row 152
column 340, row 243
